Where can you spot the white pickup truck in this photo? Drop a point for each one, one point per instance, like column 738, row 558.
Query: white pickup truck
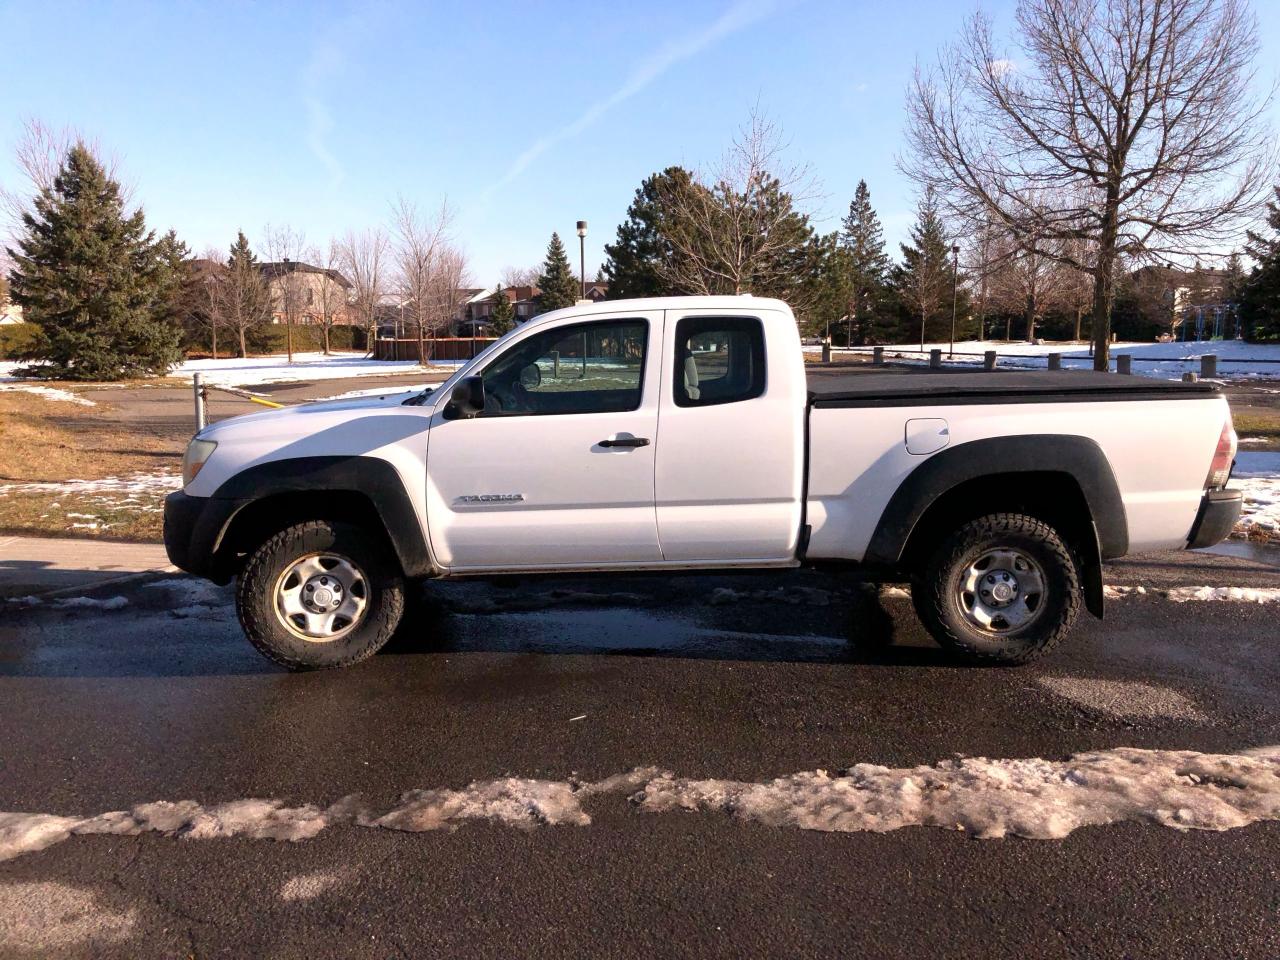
column 683, row 434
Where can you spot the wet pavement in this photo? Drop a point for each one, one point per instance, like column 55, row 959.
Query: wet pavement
column 579, row 679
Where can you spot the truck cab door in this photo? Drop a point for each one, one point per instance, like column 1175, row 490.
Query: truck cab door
column 729, row 474
column 557, row 471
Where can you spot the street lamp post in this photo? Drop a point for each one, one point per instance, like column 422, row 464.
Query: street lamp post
column 582, row 256
column 955, row 292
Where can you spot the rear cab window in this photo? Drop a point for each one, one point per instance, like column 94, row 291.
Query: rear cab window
column 718, row 360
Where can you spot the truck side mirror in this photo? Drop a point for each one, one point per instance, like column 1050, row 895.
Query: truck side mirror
column 466, row 400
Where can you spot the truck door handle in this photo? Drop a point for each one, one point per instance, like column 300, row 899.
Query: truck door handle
column 626, row 442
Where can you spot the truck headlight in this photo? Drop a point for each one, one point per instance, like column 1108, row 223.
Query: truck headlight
column 198, row 451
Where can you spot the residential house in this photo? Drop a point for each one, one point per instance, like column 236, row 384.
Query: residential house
column 311, row 291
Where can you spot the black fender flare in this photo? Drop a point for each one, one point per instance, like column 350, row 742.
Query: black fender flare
column 370, row 477
column 1078, row 457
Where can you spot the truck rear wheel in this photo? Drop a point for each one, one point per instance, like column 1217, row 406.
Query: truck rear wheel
column 320, row 594
column 1003, row 589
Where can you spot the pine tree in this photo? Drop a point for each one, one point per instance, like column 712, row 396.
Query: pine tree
column 557, row 283
column 1260, row 293
column 634, row 262
column 245, row 299
column 924, row 278
column 863, row 240
column 92, row 279
column 503, row 317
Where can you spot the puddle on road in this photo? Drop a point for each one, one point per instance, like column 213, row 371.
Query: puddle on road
column 632, row 632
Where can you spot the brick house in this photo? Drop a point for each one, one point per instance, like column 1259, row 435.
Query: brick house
column 315, row 291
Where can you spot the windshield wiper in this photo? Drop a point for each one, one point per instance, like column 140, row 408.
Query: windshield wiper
column 418, row 399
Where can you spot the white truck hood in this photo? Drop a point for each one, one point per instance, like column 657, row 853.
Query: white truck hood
column 378, row 426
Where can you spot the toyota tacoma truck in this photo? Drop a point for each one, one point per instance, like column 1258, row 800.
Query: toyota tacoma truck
column 685, row 434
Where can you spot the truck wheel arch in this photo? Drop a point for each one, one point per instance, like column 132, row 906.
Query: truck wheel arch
column 1073, row 468
column 282, row 491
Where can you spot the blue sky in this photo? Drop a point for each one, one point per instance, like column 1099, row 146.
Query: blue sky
column 527, row 116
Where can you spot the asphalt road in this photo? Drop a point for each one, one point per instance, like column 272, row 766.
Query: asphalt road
column 163, row 700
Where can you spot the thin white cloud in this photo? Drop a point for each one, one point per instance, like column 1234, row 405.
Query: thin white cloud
column 737, row 17
column 324, row 63
column 1002, row 66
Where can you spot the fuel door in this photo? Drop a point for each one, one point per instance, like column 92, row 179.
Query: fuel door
column 927, row 435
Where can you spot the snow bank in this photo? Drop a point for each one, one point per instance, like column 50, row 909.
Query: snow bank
column 46, row 393
column 1174, row 359
column 1238, row 594
column 233, row 372
column 1035, row 798
column 1257, row 474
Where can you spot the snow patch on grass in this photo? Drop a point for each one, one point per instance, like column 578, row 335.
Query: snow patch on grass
column 47, row 393
column 163, row 482
column 243, row 372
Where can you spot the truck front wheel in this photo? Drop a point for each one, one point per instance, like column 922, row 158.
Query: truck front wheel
column 1002, row 589
column 320, row 594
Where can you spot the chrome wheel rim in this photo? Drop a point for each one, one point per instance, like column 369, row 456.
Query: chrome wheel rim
column 1002, row 591
column 321, row 597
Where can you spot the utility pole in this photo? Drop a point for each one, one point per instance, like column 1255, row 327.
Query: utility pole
column 955, row 292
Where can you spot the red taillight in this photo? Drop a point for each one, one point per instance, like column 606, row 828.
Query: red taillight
column 1223, row 457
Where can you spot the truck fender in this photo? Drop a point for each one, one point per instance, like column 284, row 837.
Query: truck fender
column 1078, row 457
column 370, row 477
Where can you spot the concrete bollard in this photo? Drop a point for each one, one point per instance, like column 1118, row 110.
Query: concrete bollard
column 1189, row 378
column 197, row 389
column 1209, row 365
column 1124, row 363
column 1055, row 361
column 989, row 360
column 935, row 359
column 826, row 352
column 877, row 356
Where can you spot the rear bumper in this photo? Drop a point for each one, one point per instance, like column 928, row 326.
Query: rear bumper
column 193, row 528
column 1219, row 511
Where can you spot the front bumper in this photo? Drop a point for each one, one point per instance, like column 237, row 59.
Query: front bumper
column 1219, row 511
column 193, row 528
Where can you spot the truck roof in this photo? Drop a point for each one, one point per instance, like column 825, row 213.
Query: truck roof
column 735, row 303
column 871, row 386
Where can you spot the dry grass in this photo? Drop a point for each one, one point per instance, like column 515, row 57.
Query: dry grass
column 50, row 441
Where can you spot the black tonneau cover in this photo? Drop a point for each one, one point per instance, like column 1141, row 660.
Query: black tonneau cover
column 876, row 387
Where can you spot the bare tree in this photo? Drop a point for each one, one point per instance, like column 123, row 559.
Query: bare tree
column 519, row 277
column 206, row 301
column 290, row 294
column 37, row 157
column 365, row 260
column 1139, row 115
column 331, row 299
column 421, row 244
column 1027, row 278
column 737, row 229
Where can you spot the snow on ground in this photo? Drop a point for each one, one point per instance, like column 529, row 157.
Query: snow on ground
column 136, row 483
column 1175, row 359
column 1034, row 798
column 45, row 393
column 232, row 372
column 1237, row 594
column 1257, row 474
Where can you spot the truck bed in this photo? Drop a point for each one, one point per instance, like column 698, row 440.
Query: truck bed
column 903, row 387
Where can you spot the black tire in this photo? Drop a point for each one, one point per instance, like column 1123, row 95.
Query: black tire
column 952, row 614
column 381, row 587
